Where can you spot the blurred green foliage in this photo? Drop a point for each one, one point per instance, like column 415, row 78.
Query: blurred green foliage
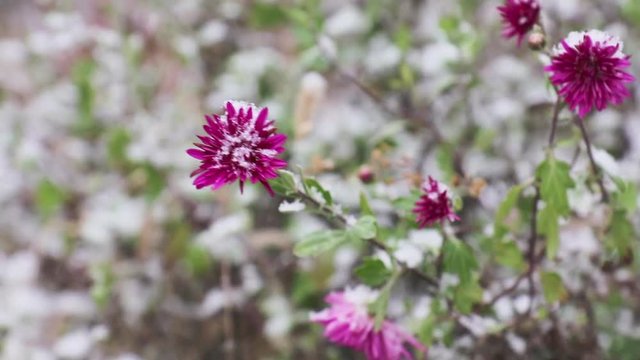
column 49, row 198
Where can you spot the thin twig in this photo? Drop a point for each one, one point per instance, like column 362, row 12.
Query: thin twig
column 531, row 252
column 532, row 258
column 574, row 158
column 594, row 166
column 227, row 319
column 591, row 323
column 508, row 290
column 412, row 116
column 533, row 238
column 554, row 120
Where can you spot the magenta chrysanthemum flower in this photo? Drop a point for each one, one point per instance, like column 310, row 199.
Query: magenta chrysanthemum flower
column 587, row 68
column 348, row 323
column 518, row 17
column 434, row 205
column 241, row 144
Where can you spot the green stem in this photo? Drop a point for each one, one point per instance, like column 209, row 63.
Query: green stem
column 531, row 257
column 341, row 221
column 554, row 120
column 594, row 166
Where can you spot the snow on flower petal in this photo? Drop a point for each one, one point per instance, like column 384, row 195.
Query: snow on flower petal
column 241, row 144
column 347, row 322
column 519, row 17
column 434, row 205
column 588, row 69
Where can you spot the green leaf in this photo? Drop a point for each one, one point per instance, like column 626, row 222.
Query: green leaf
column 314, row 184
column 626, row 197
column 508, row 203
column 449, row 332
column 467, row 294
column 621, row 235
column 299, row 16
column 304, row 287
column 373, row 9
column 117, row 144
column 372, row 272
column 625, row 347
column 154, row 181
column 266, row 15
column 631, row 11
column 103, row 279
column 82, row 77
column 427, row 328
column 407, row 76
column 484, row 139
column 429, row 324
column 507, row 253
column 197, row 259
column 407, row 203
column 548, row 226
column 459, row 259
column 445, row 161
column 284, row 184
column 449, row 24
column 365, row 228
column 554, row 180
column 365, row 208
column 403, row 38
column 379, row 307
column 469, row 6
column 457, row 202
column 318, row 242
column 179, row 233
column 49, row 198
column 552, row 287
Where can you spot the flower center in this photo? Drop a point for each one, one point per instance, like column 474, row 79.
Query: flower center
column 239, row 150
column 589, row 68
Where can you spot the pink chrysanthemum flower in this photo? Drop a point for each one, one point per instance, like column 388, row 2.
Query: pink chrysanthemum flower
column 587, row 68
column 434, row 205
column 518, row 17
column 241, row 144
column 348, row 323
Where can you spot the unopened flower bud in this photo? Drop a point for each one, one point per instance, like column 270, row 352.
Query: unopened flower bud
column 365, row 174
column 536, row 41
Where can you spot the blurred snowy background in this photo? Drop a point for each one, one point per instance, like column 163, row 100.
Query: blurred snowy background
column 108, row 252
